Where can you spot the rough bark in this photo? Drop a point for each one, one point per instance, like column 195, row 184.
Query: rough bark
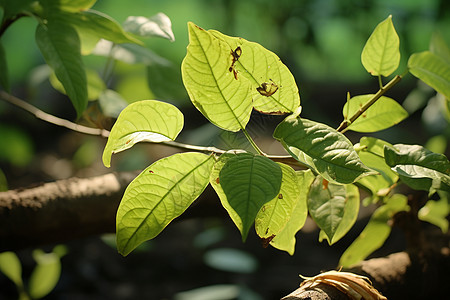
column 60, row 211
column 397, row 276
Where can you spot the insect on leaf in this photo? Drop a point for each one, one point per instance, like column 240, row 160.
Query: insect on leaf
column 212, row 88
column 274, row 90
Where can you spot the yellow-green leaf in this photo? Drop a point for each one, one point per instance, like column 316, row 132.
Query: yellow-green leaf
column 223, row 100
column 147, row 120
column 381, row 54
column 162, row 192
column 274, row 90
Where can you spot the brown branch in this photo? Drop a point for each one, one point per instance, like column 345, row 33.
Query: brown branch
column 343, row 126
column 61, row 210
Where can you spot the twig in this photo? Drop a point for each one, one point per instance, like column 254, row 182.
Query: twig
column 343, row 126
column 50, row 118
column 105, row 133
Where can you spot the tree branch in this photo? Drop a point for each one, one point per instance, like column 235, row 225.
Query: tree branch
column 61, row 210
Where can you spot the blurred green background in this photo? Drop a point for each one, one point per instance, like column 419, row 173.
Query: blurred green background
column 320, row 41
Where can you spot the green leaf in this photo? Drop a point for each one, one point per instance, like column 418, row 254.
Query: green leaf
column 263, row 68
column 45, row 275
column 328, row 204
column 60, row 46
column 244, row 183
column 12, row 268
column 371, row 152
column 249, row 181
column 13, row 8
column 4, row 78
column 322, row 148
column 375, row 233
column 431, row 69
column 147, row 120
column 162, row 192
column 76, row 5
column 381, row 54
column 418, row 167
column 214, row 91
column 384, row 113
column 274, row 215
column 436, row 212
column 285, row 240
column 351, row 209
column 95, row 85
column 158, row 25
column 98, row 24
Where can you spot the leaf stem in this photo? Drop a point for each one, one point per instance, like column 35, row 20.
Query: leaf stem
column 252, row 142
column 343, row 126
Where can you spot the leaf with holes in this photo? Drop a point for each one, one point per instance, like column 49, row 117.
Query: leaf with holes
column 158, row 195
column 419, row 167
column 322, row 148
column 214, row 91
column 274, row 90
column 245, row 183
column 285, row 240
column 381, row 54
column 147, row 120
column 376, row 231
column 384, row 113
column 275, row 214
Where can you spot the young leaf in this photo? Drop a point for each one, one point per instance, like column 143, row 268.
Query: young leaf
column 60, row 46
column 274, row 90
column 162, row 192
column 214, row 91
column 285, row 240
column 249, row 181
column 436, row 212
column 375, row 233
column 431, row 69
column 351, row 209
column 158, row 25
column 381, row 54
column 273, row 216
column 10, row 266
column 147, row 120
column 327, row 205
column 418, row 167
column 322, row 148
column 45, row 275
column 384, row 113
